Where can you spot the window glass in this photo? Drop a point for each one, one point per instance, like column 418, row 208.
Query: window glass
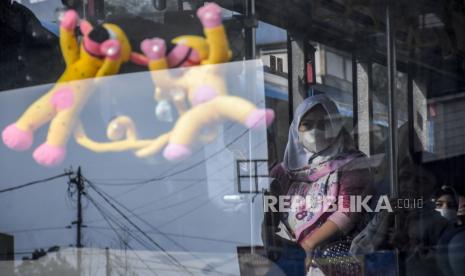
column 335, row 65
column 148, row 136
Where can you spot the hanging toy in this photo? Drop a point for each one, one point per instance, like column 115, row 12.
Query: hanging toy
column 102, row 51
column 201, row 86
column 204, row 89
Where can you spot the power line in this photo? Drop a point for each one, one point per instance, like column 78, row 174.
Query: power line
column 183, row 202
column 193, row 209
column 110, row 219
column 174, row 260
column 148, row 224
column 190, row 185
column 157, row 231
column 34, row 183
column 132, row 213
column 174, row 235
column 100, row 209
column 123, row 184
column 173, row 205
column 16, row 231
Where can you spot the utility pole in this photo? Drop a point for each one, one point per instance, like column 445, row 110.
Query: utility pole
column 79, row 182
column 108, row 265
column 80, row 189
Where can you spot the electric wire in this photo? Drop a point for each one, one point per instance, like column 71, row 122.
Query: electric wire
column 17, row 231
column 108, row 217
column 100, row 209
column 98, row 228
column 173, row 259
column 33, row 183
column 174, row 235
column 147, row 223
column 129, row 232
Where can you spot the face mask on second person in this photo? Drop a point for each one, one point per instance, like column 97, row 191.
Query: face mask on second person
column 446, row 205
column 449, row 214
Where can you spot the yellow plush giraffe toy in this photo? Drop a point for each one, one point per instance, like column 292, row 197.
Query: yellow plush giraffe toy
column 198, row 92
column 102, row 51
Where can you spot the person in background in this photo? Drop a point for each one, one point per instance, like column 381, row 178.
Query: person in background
column 446, row 201
column 451, row 254
column 320, row 160
column 419, row 228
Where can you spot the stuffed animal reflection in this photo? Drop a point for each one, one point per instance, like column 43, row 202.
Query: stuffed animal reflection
column 102, row 51
column 198, row 92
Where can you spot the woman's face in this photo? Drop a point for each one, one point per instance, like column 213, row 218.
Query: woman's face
column 312, row 130
column 447, row 207
column 313, row 119
column 446, row 202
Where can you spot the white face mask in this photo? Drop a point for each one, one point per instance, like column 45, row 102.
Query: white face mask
column 313, row 140
column 449, row 214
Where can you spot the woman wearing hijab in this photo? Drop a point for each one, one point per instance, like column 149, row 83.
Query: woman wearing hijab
column 320, row 162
